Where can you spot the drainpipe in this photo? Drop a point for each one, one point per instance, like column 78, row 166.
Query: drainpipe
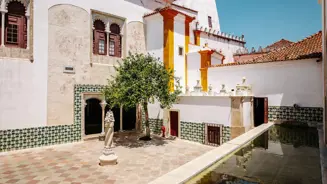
column 324, row 66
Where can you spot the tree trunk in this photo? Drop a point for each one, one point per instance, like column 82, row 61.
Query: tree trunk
column 147, row 125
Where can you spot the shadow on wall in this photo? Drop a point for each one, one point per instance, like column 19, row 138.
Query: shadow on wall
column 205, row 101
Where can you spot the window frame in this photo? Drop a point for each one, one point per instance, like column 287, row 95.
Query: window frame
column 20, row 23
column 115, row 37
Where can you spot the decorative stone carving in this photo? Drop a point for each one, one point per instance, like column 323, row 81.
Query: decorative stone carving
column 243, row 89
column 223, row 90
column 108, row 157
column 187, row 90
column 197, row 89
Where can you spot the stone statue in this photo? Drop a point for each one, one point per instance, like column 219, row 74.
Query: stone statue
column 243, row 80
column 210, row 93
column 187, row 91
column 108, row 157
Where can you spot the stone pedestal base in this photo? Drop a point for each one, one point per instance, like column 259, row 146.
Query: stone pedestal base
column 108, row 159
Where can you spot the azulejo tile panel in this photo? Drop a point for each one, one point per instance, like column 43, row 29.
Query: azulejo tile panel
column 226, row 134
column 155, row 125
column 15, row 139
column 192, row 131
column 303, row 114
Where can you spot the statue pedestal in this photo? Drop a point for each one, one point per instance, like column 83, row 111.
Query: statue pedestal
column 108, row 159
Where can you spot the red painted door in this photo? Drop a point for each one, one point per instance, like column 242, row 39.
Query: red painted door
column 174, row 123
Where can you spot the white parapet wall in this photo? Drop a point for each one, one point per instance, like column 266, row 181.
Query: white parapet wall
column 205, row 109
column 284, row 83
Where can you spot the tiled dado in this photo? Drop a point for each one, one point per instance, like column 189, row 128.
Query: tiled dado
column 49, row 135
column 192, row 131
column 155, row 125
column 303, row 114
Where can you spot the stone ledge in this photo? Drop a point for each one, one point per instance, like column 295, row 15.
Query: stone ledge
column 212, row 158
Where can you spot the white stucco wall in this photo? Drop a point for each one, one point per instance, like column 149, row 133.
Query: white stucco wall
column 23, row 85
column 179, row 41
column 284, row 83
column 199, row 109
column 193, row 66
column 205, row 109
column 205, row 9
column 215, row 61
column 228, row 48
column 154, row 32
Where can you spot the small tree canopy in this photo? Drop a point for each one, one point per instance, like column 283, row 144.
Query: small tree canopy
column 141, row 79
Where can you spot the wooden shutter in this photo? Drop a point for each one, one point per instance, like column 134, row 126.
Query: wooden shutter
column 117, row 46
column 96, row 43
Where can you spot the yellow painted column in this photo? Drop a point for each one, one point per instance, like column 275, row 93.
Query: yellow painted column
column 205, row 63
column 187, row 41
column 197, row 37
column 168, row 55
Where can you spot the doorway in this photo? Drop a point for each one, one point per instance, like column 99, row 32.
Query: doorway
column 93, row 116
column 129, row 119
column 260, row 110
column 174, row 123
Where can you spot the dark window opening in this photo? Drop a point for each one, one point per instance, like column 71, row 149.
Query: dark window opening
column 180, row 51
column 214, row 135
column 210, row 21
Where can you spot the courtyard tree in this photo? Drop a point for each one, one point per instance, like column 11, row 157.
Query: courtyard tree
column 142, row 79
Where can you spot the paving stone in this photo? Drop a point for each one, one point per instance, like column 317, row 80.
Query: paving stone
column 138, row 162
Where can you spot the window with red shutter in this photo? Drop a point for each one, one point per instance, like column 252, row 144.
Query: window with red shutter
column 16, row 25
column 99, row 38
column 115, row 41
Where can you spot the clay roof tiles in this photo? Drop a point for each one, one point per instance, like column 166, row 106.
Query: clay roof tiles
column 279, row 44
column 310, row 47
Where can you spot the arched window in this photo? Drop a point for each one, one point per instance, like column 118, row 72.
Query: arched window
column 16, row 25
column 115, row 41
column 99, row 38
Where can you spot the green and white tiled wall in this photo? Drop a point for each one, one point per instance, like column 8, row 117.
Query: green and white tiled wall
column 189, row 130
column 303, row 114
column 48, row 135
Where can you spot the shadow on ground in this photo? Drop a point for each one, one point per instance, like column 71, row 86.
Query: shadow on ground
column 131, row 140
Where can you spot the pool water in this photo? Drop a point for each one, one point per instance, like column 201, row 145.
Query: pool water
column 285, row 155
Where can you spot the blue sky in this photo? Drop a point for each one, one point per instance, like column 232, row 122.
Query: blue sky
column 265, row 21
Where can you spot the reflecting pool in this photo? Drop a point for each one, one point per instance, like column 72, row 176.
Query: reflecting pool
column 287, row 154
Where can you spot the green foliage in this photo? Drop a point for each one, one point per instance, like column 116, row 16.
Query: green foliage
column 141, row 79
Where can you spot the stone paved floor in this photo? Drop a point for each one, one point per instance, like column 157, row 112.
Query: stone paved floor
column 139, row 162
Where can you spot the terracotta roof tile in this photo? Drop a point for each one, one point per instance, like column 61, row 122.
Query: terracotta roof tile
column 279, row 44
column 310, row 47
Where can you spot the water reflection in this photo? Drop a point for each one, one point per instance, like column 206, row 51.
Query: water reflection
column 285, row 155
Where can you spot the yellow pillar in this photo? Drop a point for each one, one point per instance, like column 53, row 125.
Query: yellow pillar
column 205, row 63
column 168, row 56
